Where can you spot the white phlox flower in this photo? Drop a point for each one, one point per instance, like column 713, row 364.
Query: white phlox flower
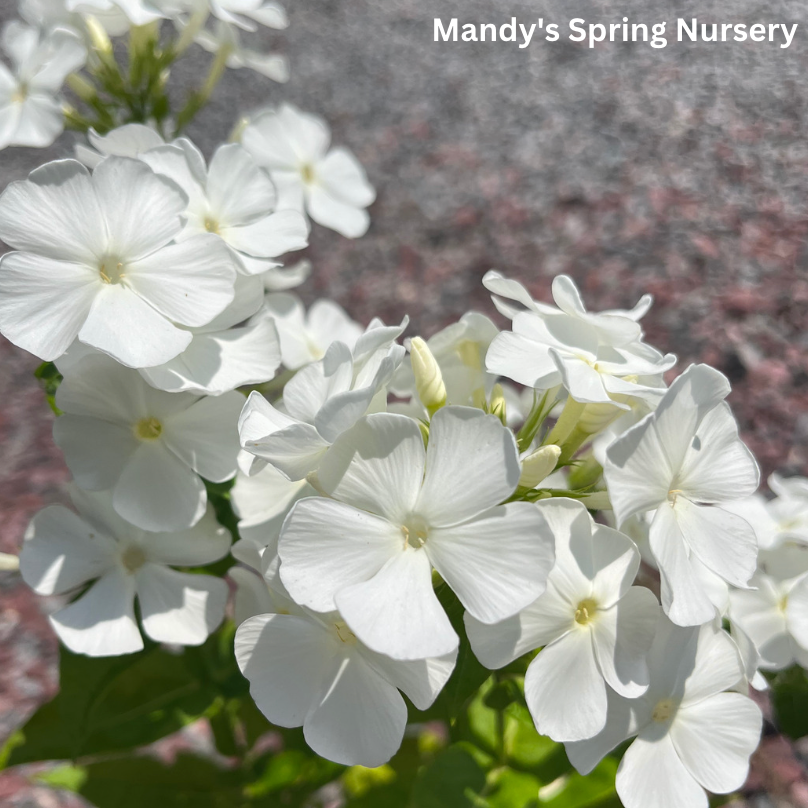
column 692, row 736
column 310, row 670
column 329, row 184
column 148, row 447
column 306, row 335
column 598, row 357
column 130, row 140
column 459, row 350
column 274, row 66
column 681, row 460
column 596, row 628
column 30, row 112
column 322, row 401
column 261, row 503
column 64, row 551
column 234, row 199
column 96, row 262
column 137, row 12
column 241, row 13
column 774, row 613
column 397, row 512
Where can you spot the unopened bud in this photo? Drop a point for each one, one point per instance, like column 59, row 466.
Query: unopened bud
column 497, row 404
column 9, row 563
column 428, row 378
column 597, row 501
column 81, row 87
column 538, row 465
column 98, row 36
column 596, row 417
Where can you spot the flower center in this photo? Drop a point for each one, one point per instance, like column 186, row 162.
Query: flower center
column 673, row 494
column 663, row 710
column 415, row 531
column 344, row 633
column 20, row 94
column 111, row 269
column 148, row 428
column 211, row 225
column 133, row 558
column 307, row 172
column 586, row 611
column 782, row 604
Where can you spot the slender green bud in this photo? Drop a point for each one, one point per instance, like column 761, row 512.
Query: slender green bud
column 81, row 87
column 538, row 465
column 497, row 404
column 428, row 378
column 98, row 36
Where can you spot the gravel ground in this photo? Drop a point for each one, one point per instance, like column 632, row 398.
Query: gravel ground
column 681, row 171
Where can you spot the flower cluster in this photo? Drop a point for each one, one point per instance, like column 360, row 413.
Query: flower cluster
column 375, row 479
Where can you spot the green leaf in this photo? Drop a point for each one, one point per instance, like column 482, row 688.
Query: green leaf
column 790, row 699
column 141, row 782
column 530, row 752
column 594, row 790
column 512, row 789
column 114, row 704
column 68, row 777
column 453, row 780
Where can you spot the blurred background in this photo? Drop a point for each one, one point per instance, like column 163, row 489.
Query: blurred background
column 680, row 171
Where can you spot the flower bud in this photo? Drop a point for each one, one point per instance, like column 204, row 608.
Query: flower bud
column 538, row 465
column 9, row 563
column 98, row 36
column 497, row 404
column 81, row 87
column 428, row 378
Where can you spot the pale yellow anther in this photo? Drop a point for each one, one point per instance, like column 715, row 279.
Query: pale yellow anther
column 586, row 611
column 148, row 429
column 673, row 494
column 111, row 270
column 307, row 172
column 538, row 465
column 211, row 225
column 415, row 531
column 133, row 558
column 663, row 710
column 428, row 378
column 344, row 633
column 20, row 94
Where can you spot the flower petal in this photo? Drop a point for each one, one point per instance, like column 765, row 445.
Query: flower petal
column 281, row 232
column 207, row 541
column 523, row 360
column 330, row 211
column 344, row 178
column 238, row 191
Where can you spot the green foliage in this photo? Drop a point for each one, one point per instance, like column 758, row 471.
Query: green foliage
column 50, row 378
column 789, row 690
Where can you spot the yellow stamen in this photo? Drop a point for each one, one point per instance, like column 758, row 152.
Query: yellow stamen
column 663, row 710
column 133, row 558
column 307, row 171
column 211, row 225
column 148, row 429
column 344, row 633
column 586, row 611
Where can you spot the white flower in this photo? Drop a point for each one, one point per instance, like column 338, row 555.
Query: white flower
column 399, row 511
column 274, row 66
column 310, row 670
column 682, row 459
column 306, row 336
column 596, row 628
column 460, row 350
column 599, row 358
column 138, row 12
column 146, row 446
column 774, row 614
column 234, row 199
column 691, row 736
column 242, row 13
column 323, row 400
column 30, row 113
column 96, row 263
column 130, row 140
column 261, row 503
column 329, row 184
column 62, row 552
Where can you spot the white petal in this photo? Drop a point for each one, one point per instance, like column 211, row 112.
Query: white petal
column 580, row 378
column 757, row 612
column 545, row 620
column 141, row 208
column 616, row 561
column 522, row 360
column 54, row 213
column 421, row 679
column 281, row 232
column 326, row 545
column 396, row 612
column 565, row 691
column 190, row 282
column 359, row 718
column 296, row 450
column 205, row 435
column 174, row 162
column 330, row 211
column 238, row 191
column 40, row 122
column 683, row 597
column 43, row 303
column 252, row 594
column 717, row 465
column 95, row 451
column 344, row 178
column 797, row 611
column 717, row 665
column 285, row 659
column 177, row 607
column 102, row 621
column 377, row 466
column 472, row 464
column 651, row 773
column 312, row 386
column 724, row 542
column 128, row 329
column 497, row 563
column 207, row 541
column 715, row 738
column 61, row 551
column 157, row 491
column 622, row 636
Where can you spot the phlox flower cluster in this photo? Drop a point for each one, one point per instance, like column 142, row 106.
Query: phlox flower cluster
column 589, row 515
